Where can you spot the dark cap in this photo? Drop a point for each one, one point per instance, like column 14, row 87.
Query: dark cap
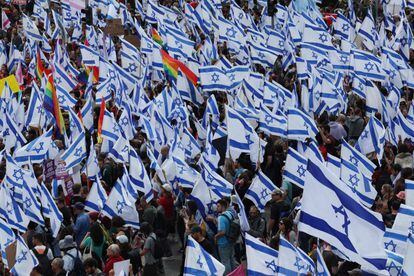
column 79, row 206
column 196, row 229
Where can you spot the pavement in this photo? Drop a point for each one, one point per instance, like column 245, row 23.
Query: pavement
column 172, row 264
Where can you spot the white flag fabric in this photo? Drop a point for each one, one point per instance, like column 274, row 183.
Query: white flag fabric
column 96, row 197
column 409, row 192
column 408, row 264
column 199, row 262
column 292, row 260
column 260, row 190
column 395, row 241
column 330, row 211
column 261, row 259
column 321, row 268
column 25, row 258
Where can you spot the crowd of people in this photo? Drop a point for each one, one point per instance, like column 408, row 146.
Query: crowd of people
column 90, row 240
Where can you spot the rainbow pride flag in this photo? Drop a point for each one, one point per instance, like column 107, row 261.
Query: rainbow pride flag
column 156, row 37
column 171, row 66
column 51, row 104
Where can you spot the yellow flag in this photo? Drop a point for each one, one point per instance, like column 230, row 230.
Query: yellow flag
column 11, row 82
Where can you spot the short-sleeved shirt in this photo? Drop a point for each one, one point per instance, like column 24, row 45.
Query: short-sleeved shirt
column 223, row 224
column 150, row 244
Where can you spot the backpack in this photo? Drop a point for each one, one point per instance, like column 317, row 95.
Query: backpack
column 158, row 248
column 44, row 262
column 234, row 231
column 78, row 268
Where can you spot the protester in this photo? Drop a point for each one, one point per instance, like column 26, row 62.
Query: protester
column 57, row 267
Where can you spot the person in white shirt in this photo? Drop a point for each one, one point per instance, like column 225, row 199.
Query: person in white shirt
column 70, row 251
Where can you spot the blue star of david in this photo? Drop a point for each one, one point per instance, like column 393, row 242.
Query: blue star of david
column 29, row 26
column 364, row 134
column 268, row 119
column 392, row 74
column 210, row 207
column 324, row 62
column 27, row 203
column 22, row 257
column 132, row 67
column 341, row 210
column 215, row 78
column 116, row 128
column 271, row 265
column 68, row 15
column 298, row 264
column 344, row 59
column 125, row 149
column 179, row 45
column 61, row 99
column 78, row 152
column 314, row 55
column 58, row 80
column 261, row 55
column 301, row 171
column 353, row 160
column 403, row 41
column 199, row 261
column 264, row 193
column 158, row 103
column 190, row 147
column 124, row 121
column 248, row 140
column 232, row 76
column 354, row 180
column 112, row 74
column 411, row 228
column 323, row 37
column 209, row 177
column 120, row 206
column 281, row 43
column 180, row 146
column 361, row 86
column 390, row 244
column 39, row 148
column 6, row 132
column 153, row 14
column 9, row 208
column 393, row 266
column 345, row 27
column 18, row 174
column 177, row 102
column 369, row 66
column 39, row 109
column 317, row 96
column 180, row 169
column 231, row 32
column 38, row 11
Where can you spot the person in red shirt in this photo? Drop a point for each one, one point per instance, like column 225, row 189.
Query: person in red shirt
column 166, row 200
column 114, row 255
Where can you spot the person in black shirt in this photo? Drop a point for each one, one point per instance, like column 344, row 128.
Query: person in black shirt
column 197, row 234
column 277, row 209
column 66, row 212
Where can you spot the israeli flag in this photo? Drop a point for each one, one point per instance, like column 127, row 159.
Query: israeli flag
column 367, row 65
column 408, row 264
column 204, row 197
column 12, row 136
column 364, row 165
column 76, row 152
column 30, row 29
column 213, row 78
column 295, row 168
column 343, row 28
column 30, row 205
column 138, row 175
column 119, row 204
column 218, row 185
column 394, row 263
column 409, row 192
column 11, row 212
column 96, row 197
column 199, row 262
column 293, row 261
column 89, row 56
column 50, row 210
column 330, row 211
column 372, row 138
column 334, row 164
column 64, row 85
column 35, row 114
column 87, row 113
column 35, row 151
column 120, row 151
column 191, row 147
column 318, row 37
column 7, row 237
column 260, row 190
column 244, row 222
column 359, row 184
column 404, row 220
column 261, row 259
column 321, row 268
column 15, row 176
column 25, row 259
column 110, row 128
column 300, row 126
column 185, row 175
column 368, row 31
column 273, row 124
column 395, row 241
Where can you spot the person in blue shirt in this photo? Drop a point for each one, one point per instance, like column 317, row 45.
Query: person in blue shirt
column 82, row 225
column 224, row 245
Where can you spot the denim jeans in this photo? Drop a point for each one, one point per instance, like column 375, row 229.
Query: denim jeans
column 226, row 253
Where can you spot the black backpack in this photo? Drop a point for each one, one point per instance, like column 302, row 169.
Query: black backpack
column 158, row 248
column 234, row 231
column 78, row 268
column 44, row 262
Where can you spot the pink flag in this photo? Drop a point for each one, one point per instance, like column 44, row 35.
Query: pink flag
column 19, row 74
column 5, row 22
column 239, row 271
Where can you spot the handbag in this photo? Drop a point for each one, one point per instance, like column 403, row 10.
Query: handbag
column 87, row 253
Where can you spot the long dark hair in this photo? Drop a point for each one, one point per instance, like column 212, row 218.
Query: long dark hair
column 96, row 233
